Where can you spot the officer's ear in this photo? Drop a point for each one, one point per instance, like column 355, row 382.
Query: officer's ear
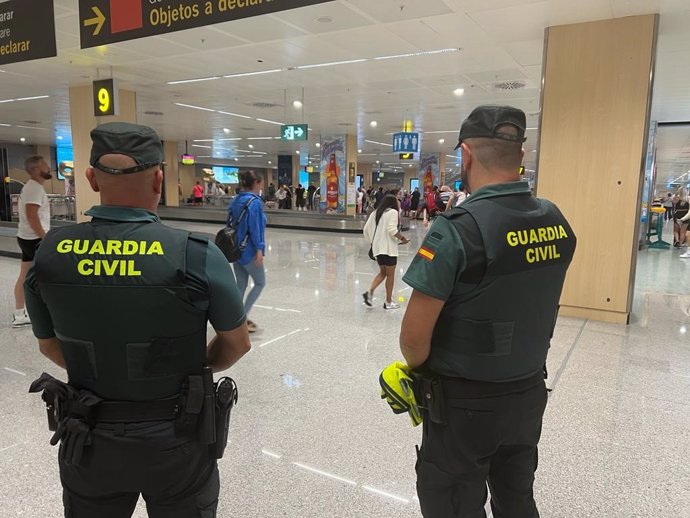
column 158, row 181
column 467, row 157
column 93, row 181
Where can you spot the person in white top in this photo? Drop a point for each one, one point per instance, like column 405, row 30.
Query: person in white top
column 382, row 231
column 34, row 222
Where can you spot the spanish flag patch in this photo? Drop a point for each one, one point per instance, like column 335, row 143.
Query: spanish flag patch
column 427, row 254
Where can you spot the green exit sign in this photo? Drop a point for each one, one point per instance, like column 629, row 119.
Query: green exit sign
column 294, row 132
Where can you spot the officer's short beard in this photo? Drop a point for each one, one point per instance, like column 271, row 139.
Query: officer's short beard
column 46, row 176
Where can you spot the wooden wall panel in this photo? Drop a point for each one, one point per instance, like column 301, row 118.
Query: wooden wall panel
column 595, row 108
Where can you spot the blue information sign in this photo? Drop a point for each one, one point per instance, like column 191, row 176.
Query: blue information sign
column 406, row 143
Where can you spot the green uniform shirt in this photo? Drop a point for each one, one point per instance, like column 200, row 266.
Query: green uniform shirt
column 210, row 279
column 442, row 258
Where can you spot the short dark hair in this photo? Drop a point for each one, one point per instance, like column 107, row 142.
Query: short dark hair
column 497, row 153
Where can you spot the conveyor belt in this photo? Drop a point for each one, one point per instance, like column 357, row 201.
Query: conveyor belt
column 291, row 219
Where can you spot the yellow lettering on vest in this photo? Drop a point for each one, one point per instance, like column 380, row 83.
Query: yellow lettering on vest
column 85, row 267
column 529, row 255
column 533, row 236
column 512, row 238
column 97, row 248
column 131, row 271
column 80, row 247
column 64, row 246
column 130, row 248
column 542, row 234
column 113, row 247
column 97, row 267
column 561, row 232
column 155, row 249
column 523, row 238
column 556, row 255
column 109, row 267
column 542, row 253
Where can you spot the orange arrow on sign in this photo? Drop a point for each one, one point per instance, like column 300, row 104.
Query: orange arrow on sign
column 98, row 21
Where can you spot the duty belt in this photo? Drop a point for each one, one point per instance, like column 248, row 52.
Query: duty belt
column 73, row 412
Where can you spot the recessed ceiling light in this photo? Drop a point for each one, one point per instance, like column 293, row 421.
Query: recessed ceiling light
column 22, row 139
column 270, row 162
column 441, row 141
column 297, row 151
column 459, row 92
column 226, row 130
column 251, row 146
column 297, row 104
column 59, row 137
column 359, row 151
column 373, row 124
column 236, row 160
column 378, row 161
column 325, row 19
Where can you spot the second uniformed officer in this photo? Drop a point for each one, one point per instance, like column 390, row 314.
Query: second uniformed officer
column 122, row 303
column 487, row 282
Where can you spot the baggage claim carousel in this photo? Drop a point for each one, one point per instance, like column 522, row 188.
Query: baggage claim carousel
column 288, row 219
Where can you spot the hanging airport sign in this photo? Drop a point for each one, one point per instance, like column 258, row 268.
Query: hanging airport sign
column 406, row 142
column 294, row 132
column 105, row 98
column 108, row 21
column 27, row 31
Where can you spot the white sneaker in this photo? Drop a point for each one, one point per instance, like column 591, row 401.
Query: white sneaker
column 686, row 255
column 391, row 305
column 20, row 320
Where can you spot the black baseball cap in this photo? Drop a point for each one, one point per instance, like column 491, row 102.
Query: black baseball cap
column 484, row 122
column 140, row 143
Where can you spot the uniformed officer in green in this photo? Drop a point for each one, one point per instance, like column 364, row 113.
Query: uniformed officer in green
column 122, row 303
column 487, row 282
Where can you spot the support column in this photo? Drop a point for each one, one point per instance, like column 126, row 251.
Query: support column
column 351, row 159
column 83, row 121
column 172, row 174
column 596, row 102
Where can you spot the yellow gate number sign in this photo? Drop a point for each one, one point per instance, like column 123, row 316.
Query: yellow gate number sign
column 105, row 98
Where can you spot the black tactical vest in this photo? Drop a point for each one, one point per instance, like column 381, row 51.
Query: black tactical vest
column 498, row 327
column 117, row 297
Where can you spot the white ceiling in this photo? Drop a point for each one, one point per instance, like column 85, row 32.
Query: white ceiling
column 499, row 41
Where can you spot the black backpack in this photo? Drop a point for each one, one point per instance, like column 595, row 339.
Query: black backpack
column 438, row 199
column 226, row 238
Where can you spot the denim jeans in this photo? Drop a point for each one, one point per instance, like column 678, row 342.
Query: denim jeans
column 242, row 274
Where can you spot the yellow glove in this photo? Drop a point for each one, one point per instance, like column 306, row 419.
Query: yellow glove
column 397, row 388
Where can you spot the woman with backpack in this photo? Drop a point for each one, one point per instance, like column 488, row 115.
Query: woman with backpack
column 251, row 226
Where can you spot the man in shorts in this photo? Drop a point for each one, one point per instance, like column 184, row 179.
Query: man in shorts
column 34, row 222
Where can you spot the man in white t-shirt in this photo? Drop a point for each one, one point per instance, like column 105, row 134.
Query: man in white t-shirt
column 34, row 222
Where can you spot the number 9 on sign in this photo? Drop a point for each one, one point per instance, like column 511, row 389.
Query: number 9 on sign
column 105, row 98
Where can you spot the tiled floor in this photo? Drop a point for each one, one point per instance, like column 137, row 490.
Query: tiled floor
column 311, row 438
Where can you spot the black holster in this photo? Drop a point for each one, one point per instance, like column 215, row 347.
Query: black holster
column 196, row 409
column 429, row 396
column 226, row 397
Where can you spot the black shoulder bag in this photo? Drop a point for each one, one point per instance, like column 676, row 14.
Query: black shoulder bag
column 226, row 238
column 371, row 247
